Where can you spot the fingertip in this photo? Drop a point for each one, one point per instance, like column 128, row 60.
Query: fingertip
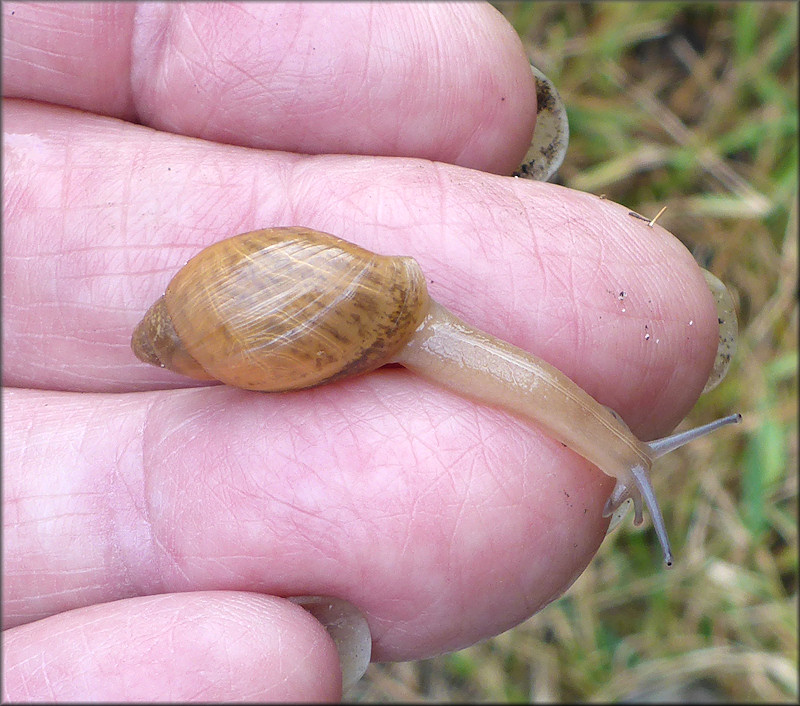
column 211, row 646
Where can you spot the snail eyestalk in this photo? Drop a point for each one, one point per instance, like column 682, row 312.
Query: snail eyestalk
column 660, row 447
column 638, row 487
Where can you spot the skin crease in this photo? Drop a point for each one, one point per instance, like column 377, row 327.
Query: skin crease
column 445, row 522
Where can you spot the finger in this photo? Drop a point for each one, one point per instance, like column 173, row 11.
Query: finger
column 442, row 521
column 445, row 82
column 90, row 245
column 216, row 646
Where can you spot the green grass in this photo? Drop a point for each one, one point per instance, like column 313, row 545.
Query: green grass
column 693, row 106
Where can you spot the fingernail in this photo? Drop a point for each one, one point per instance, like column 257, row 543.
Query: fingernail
column 728, row 330
column 551, row 134
column 349, row 630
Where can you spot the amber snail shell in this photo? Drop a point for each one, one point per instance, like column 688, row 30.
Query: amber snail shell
column 283, row 309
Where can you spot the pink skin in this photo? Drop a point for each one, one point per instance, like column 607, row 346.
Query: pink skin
column 444, row 521
column 224, row 640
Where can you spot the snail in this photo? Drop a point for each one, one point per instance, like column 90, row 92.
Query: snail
column 292, row 308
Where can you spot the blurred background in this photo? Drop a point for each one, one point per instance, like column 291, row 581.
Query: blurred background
column 691, row 106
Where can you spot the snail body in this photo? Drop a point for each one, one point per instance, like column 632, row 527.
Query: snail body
column 291, row 308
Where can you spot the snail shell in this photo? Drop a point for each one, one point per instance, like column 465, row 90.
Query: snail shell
column 283, row 309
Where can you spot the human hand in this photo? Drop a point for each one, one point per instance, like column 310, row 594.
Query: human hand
column 153, row 526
